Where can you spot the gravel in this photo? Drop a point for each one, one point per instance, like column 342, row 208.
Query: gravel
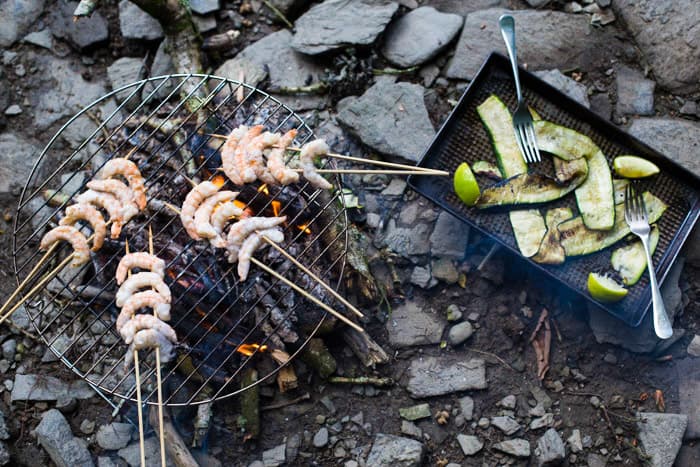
column 40, row 39
column 202, row 7
column 694, row 346
column 459, row 333
column 550, row 449
column 517, row 447
column 389, row 117
column 55, row 436
column 415, row 412
column 661, row 435
column 507, row 425
column 635, row 93
column 410, row 325
column 466, row 405
column 321, row 438
column 419, row 36
column 334, row 24
column 433, row 376
column 114, row 436
column 470, row 444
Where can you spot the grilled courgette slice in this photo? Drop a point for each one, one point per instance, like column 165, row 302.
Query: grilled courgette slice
column 551, row 251
column 579, row 240
column 529, row 229
column 630, row 262
column 530, row 188
column 486, row 169
column 594, row 197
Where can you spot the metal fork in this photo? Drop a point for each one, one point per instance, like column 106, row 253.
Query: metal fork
column 522, row 120
column 638, row 221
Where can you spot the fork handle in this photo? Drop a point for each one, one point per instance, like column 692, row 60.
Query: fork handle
column 507, row 24
column 662, row 325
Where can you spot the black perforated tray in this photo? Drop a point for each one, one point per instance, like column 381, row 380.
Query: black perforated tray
column 464, row 138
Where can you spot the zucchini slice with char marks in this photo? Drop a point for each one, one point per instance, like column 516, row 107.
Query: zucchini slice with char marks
column 630, row 262
column 486, row 169
column 595, row 195
column 551, row 251
column 578, row 240
column 529, row 229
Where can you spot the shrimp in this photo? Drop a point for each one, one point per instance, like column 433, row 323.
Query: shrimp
column 146, row 299
column 107, row 202
column 241, row 158
column 139, row 281
column 222, row 214
column 241, row 229
column 120, row 191
column 148, row 339
column 87, row 212
column 81, row 251
column 254, row 156
column 275, row 160
column 192, row 201
column 202, row 217
column 251, row 244
column 132, row 174
column 227, row 154
column 139, row 322
column 309, row 152
column 141, row 260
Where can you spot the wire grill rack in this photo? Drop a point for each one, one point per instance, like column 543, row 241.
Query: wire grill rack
column 78, row 326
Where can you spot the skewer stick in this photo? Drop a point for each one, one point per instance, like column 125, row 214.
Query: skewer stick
column 330, row 289
column 137, row 375
column 306, row 294
column 360, row 159
column 159, row 381
column 439, row 173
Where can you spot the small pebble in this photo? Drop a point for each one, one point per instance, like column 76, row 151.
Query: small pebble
column 453, row 313
column 320, row 419
column 321, row 438
column 12, row 110
column 610, row 358
column 460, row 333
column 87, row 426
column 483, row 423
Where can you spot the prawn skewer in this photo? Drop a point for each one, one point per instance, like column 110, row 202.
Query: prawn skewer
column 132, row 174
column 87, row 212
column 192, row 202
column 203, row 221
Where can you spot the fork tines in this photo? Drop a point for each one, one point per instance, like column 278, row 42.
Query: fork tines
column 635, row 207
column 527, row 142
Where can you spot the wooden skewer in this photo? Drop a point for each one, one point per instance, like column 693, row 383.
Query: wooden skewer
column 159, row 382
column 137, row 375
column 361, row 160
column 438, row 173
column 306, row 294
column 330, row 289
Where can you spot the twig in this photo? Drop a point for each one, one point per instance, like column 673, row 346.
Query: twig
column 304, row 397
column 177, row 448
column 541, row 343
column 380, row 382
column 394, row 71
column 279, row 14
column 316, row 88
column 493, row 355
column 494, row 248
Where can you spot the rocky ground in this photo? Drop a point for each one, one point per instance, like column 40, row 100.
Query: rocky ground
column 466, row 389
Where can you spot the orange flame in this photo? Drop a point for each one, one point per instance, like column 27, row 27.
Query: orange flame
column 249, row 349
column 276, row 207
column 264, row 189
column 219, row 180
column 304, row 228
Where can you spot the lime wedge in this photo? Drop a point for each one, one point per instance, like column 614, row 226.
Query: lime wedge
column 465, row 185
column 605, row 289
column 634, row 167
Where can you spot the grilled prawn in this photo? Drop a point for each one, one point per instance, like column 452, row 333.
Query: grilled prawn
column 67, row 233
column 243, row 228
column 276, row 163
column 140, row 322
column 88, row 213
column 192, row 202
column 109, row 203
column 140, row 281
column 132, row 174
column 146, row 299
column 309, row 152
column 203, row 215
column 252, row 244
column 141, row 260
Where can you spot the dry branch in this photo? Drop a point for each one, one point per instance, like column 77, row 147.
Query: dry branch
column 175, row 446
column 367, row 350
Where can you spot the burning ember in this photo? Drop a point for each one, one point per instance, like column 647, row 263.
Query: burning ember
column 249, row 349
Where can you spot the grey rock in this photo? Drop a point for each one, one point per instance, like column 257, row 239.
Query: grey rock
column 641, row 339
column 694, row 346
column 550, row 449
column 433, row 376
column 688, row 376
column 459, row 333
column 411, row 429
column 667, row 34
column 419, row 36
column 575, row 442
column 507, row 425
column 4, row 432
column 20, row 318
column 5, row 456
column 546, row 39
column 275, row 456
column 676, row 138
column 47, row 388
column 162, row 65
column 415, row 412
column 374, row 221
column 600, row 104
column 272, row 54
column 596, row 460
column 18, row 159
column 573, row 7
column 204, row 23
column 292, row 448
column 396, row 187
column 466, row 405
column 9, row 57
column 13, row 110
column 389, row 117
column 202, row 7
column 568, row 86
column 409, row 325
column 132, row 453
column 635, row 93
column 689, row 108
column 689, row 456
column 445, row 270
column 542, row 422
column 40, row 38
column 124, row 71
column 60, row 345
column 661, row 435
column 406, row 241
column 509, row 402
column 420, row 275
column 454, row 313
column 470, row 444
column 55, row 436
column 103, row 461
column 87, row 426
column 137, row 24
column 483, row 423
column 395, row 451
column 9, row 348
column 334, row 24
column 517, row 447
column 66, row 92
column 83, row 34
column 114, row 436
column 321, row 438
column 15, row 18
column 449, row 238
